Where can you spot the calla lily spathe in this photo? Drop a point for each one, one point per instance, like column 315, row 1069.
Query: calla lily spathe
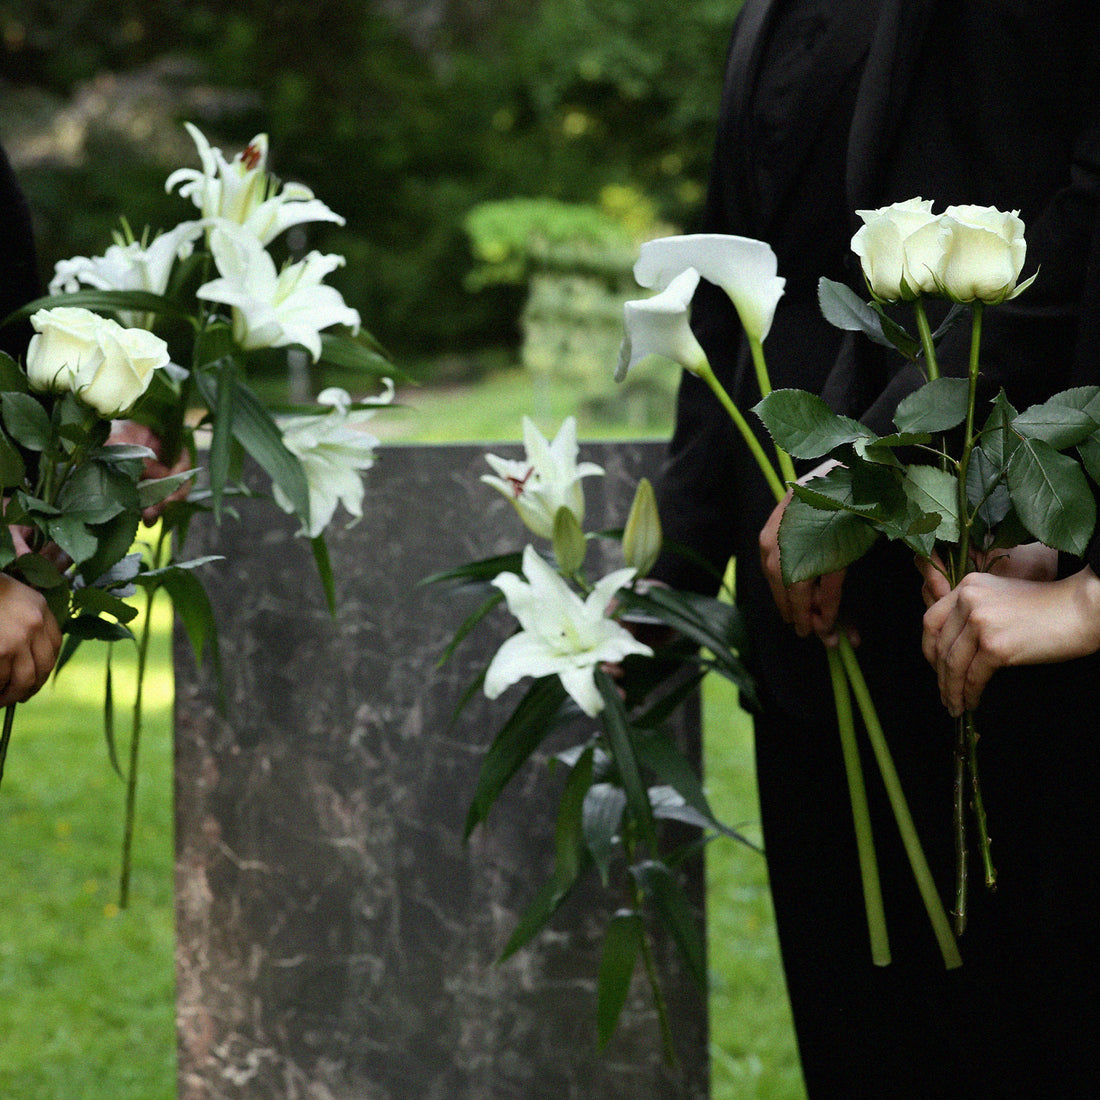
column 546, row 479
column 242, row 191
column 561, row 634
column 661, row 325
column 744, row 268
column 334, row 450
column 274, row 309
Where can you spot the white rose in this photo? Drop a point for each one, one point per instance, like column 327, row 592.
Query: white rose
column 901, row 249
column 130, row 356
column 984, row 254
column 107, row 366
column 66, row 340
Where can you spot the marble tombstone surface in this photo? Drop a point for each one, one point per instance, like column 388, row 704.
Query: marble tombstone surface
column 336, row 937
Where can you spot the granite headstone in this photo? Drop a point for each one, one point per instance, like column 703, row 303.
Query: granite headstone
column 337, row 939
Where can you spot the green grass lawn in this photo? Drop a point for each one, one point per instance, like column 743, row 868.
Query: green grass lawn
column 87, row 991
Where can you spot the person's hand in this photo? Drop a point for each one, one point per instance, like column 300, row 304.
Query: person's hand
column 128, row 431
column 811, row 607
column 30, row 641
column 990, row 621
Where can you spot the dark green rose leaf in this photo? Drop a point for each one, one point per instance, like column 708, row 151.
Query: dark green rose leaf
column 932, row 491
column 1064, row 420
column 1089, row 450
column 938, row 406
column 986, row 492
column 12, row 468
column 998, row 439
column 1051, row 496
column 91, row 627
column 13, row 378
column 804, row 426
column 843, row 308
column 73, row 536
column 813, row 542
column 98, row 601
column 26, row 420
column 95, row 494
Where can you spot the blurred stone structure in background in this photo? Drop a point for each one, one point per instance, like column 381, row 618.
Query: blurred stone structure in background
column 336, row 937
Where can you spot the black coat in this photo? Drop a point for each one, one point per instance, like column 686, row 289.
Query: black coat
column 995, row 103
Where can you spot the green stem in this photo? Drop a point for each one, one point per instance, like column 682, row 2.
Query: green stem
column 5, row 737
column 766, row 468
column 921, row 872
column 932, row 368
column 135, row 747
column 861, row 817
column 978, row 803
column 962, row 861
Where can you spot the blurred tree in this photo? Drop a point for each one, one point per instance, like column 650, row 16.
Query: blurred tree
column 403, row 115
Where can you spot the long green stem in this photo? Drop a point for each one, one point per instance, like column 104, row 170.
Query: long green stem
column 921, row 872
column 754, row 445
column 5, row 737
column 978, row 803
column 958, row 800
column 861, row 816
column 135, row 748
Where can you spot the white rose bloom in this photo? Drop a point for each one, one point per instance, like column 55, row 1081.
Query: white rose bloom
column 561, row 634
column 274, row 309
column 242, row 192
column 546, row 479
column 106, row 366
column 984, row 254
column 334, row 451
column 901, row 249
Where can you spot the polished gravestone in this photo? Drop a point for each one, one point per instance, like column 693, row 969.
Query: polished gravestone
column 336, row 937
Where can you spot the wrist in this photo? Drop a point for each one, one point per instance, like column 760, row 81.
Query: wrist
column 1086, row 594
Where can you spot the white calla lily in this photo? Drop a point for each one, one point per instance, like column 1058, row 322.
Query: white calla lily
column 561, row 634
column 744, row 268
column 334, row 450
column 274, row 309
column 546, row 479
column 661, row 325
column 242, row 191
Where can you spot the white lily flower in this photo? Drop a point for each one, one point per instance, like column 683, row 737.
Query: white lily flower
column 129, row 265
column 661, row 326
column 561, row 634
column 334, row 451
column 274, row 309
column 548, row 478
column 242, row 191
column 744, row 268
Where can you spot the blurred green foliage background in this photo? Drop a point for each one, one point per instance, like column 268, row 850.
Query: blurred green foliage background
column 403, row 115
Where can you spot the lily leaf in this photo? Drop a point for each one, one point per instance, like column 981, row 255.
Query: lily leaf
column 569, row 834
column 621, row 946
column 938, row 406
column 676, row 914
column 804, row 426
column 601, row 818
column 531, row 721
column 1051, row 496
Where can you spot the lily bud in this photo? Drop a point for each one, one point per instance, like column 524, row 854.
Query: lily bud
column 569, row 542
column 642, row 535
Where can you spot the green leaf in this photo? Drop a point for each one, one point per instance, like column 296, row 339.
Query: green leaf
column 94, row 493
column 844, row 309
column 675, row 912
column 814, row 542
column 214, row 385
column 998, row 439
column 1066, row 419
column 602, row 815
column 616, row 728
column 536, row 916
column 324, row 571
column 98, row 601
column 622, row 944
column 114, row 541
column 569, row 837
column 986, row 492
column 469, row 623
column 89, row 627
column 802, row 424
column 13, row 378
column 938, row 406
column 109, row 717
column 154, row 490
column 108, row 301
column 359, row 353
column 1089, row 450
column 73, row 536
column 39, row 572
column 12, row 468
column 934, row 491
column 1051, row 496
column 536, row 714
column 26, row 420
